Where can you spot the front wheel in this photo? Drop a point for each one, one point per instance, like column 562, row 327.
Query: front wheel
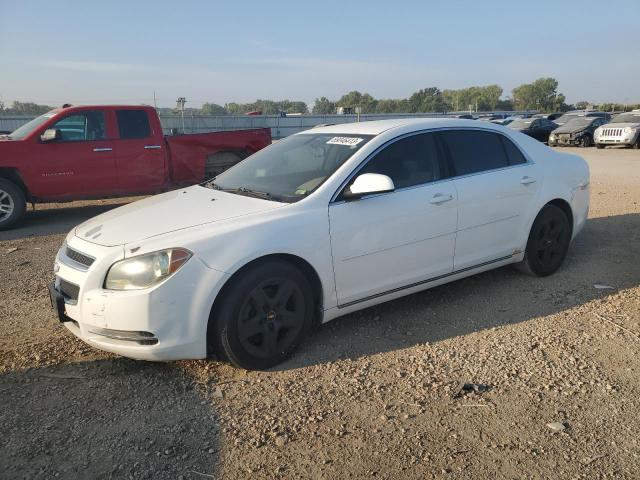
column 599, row 146
column 264, row 315
column 548, row 242
column 585, row 141
column 12, row 204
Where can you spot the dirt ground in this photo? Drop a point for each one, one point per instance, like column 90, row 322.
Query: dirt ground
column 371, row 395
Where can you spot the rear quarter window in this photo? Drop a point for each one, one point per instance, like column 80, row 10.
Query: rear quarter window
column 133, row 124
column 514, row 155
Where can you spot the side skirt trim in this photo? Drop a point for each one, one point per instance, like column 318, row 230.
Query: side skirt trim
column 422, row 282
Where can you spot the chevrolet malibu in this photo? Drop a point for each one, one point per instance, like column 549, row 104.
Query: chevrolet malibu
column 328, row 221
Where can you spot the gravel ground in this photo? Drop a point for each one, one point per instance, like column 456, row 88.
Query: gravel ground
column 373, row 394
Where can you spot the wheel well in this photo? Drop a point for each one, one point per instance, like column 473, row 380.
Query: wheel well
column 566, row 208
column 308, row 271
column 13, row 175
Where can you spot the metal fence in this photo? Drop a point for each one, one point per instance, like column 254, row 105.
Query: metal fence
column 280, row 126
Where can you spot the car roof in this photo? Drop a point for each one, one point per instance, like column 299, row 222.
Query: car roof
column 376, row 127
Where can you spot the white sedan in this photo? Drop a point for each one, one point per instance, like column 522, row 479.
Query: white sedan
column 323, row 223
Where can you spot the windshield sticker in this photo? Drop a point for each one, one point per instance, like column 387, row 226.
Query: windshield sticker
column 348, row 141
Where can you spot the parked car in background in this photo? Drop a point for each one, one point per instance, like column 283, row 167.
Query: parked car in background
column 106, row 151
column 548, row 116
column 581, row 113
column 578, row 131
column 323, row 223
column 464, row 116
column 538, row 128
column 624, row 129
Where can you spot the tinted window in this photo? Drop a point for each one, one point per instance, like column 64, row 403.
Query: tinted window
column 410, row 161
column 513, row 154
column 81, row 127
column 474, row 151
column 133, row 124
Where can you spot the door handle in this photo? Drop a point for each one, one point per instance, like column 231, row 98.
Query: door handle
column 439, row 198
column 527, row 180
column 107, row 149
column 152, row 147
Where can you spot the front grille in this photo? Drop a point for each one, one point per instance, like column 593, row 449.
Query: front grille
column 78, row 257
column 69, row 290
column 612, row 132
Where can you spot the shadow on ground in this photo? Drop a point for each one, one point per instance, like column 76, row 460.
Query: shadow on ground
column 606, row 252
column 105, row 419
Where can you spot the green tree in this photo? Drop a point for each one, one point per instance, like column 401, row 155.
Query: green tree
column 213, row 109
column 354, row 99
column 324, row 106
column 29, row 108
column 542, row 95
column 427, row 100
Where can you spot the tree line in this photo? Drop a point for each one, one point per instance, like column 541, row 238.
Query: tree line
column 541, row 95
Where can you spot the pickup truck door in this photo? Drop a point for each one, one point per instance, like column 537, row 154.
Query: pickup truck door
column 81, row 163
column 140, row 152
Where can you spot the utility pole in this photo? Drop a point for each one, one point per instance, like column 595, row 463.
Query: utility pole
column 180, row 106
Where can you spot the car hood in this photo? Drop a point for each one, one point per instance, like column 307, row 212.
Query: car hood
column 570, row 129
column 168, row 212
column 620, row 125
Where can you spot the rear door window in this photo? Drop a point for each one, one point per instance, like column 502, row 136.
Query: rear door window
column 133, row 124
column 473, row 151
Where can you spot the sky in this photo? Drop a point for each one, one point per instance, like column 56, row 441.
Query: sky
column 222, row 51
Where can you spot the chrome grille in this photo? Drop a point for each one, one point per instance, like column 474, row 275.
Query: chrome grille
column 78, row 257
column 612, row 132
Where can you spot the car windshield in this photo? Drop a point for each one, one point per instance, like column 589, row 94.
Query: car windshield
column 520, row 124
column 289, row 170
column 580, row 121
column 564, row 119
column 29, row 127
column 626, row 118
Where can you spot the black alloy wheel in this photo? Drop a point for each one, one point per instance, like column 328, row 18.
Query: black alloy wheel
column 585, row 141
column 548, row 242
column 264, row 314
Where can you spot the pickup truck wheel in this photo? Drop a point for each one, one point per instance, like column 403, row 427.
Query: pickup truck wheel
column 221, row 161
column 265, row 314
column 12, row 203
column 548, row 242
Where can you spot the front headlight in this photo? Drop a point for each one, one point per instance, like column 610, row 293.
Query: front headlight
column 146, row 270
column 628, row 130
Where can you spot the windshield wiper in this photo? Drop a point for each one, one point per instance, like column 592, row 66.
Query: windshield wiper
column 244, row 191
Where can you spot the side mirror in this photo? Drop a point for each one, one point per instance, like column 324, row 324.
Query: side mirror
column 367, row 184
column 51, row 135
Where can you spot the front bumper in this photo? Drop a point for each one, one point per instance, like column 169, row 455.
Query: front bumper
column 164, row 322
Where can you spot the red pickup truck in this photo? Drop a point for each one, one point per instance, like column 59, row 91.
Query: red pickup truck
column 108, row 151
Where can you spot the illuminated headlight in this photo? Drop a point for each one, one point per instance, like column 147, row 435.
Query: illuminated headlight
column 145, row 271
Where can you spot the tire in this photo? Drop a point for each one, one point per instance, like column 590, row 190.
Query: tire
column 264, row 315
column 636, row 145
column 12, row 204
column 599, row 146
column 548, row 242
column 219, row 162
column 586, row 141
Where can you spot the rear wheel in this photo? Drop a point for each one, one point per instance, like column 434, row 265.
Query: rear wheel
column 12, row 203
column 585, row 141
column 264, row 315
column 548, row 242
